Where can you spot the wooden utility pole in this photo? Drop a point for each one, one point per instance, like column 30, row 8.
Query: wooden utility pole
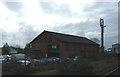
column 102, row 34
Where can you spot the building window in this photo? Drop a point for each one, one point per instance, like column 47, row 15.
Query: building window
column 54, row 46
column 66, row 47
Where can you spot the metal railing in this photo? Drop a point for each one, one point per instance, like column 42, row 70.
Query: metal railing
column 111, row 72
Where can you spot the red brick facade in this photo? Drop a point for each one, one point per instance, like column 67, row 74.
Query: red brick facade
column 66, row 49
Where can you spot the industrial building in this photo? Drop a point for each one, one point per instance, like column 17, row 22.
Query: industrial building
column 53, row 44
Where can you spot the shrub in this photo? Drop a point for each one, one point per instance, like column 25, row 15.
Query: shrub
column 23, row 70
column 94, row 56
column 78, row 67
column 99, row 56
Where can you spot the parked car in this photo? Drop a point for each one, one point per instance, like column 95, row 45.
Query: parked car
column 36, row 62
column 7, row 58
column 76, row 57
column 108, row 50
column 17, row 56
column 47, row 61
column 55, row 59
column 64, row 59
column 24, row 62
column 44, row 61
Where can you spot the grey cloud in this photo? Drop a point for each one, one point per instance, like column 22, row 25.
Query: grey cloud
column 109, row 9
column 14, row 6
column 4, row 35
column 52, row 8
column 9, row 38
column 111, row 31
column 100, row 5
column 79, row 28
column 110, row 40
column 22, row 23
column 28, row 32
column 23, row 36
column 119, row 22
column 98, row 9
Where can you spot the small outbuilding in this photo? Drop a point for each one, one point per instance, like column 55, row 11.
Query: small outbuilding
column 116, row 48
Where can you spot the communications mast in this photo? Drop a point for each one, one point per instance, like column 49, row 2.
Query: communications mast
column 102, row 34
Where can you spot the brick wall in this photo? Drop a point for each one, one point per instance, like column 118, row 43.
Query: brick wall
column 73, row 48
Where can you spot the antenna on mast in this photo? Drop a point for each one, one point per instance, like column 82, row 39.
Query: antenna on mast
column 102, row 34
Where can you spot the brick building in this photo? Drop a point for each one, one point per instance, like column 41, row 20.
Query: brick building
column 52, row 44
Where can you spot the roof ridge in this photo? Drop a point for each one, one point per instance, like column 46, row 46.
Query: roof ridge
column 65, row 34
column 68, row 37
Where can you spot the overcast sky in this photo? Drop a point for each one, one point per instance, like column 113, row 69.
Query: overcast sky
column 21, row 22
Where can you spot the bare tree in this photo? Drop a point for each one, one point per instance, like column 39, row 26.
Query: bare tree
column 5, row 49
column 96, row 40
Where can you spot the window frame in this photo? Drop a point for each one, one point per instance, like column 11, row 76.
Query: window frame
column 54, row 46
